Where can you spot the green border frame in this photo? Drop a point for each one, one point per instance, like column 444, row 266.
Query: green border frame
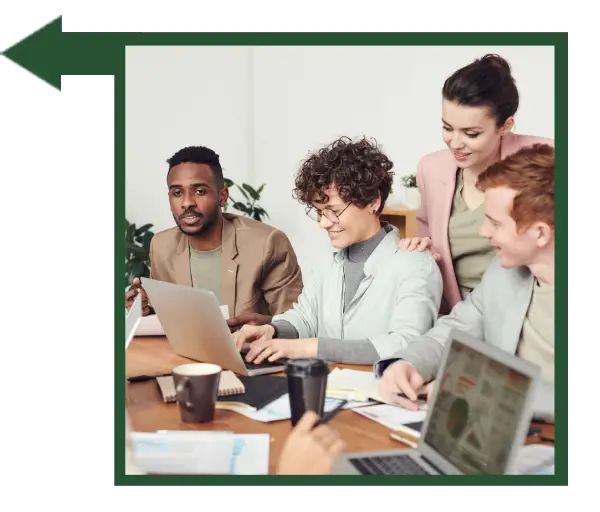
column 559, row 41
column 50, row 54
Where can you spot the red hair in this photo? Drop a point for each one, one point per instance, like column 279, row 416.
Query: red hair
column 529, row 172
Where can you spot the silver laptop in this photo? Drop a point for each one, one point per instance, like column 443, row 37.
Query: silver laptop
column 133, row 319
column 195, row 327
column 478, row 418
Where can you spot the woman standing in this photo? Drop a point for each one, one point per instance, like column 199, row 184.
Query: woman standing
column 478, row 108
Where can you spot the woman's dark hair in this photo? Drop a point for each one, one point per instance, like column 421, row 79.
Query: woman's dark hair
column 485, row 82
column 359, row 170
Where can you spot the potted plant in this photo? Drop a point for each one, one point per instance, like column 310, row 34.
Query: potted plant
column 250, row 208
column 137, row 251
column 412, row 197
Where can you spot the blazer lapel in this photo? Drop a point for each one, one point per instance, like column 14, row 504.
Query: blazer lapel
column 516, row 313
column 229, row 268
column 448, row 180
column 181, row 262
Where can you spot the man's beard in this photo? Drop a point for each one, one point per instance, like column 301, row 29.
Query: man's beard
column 208, row 222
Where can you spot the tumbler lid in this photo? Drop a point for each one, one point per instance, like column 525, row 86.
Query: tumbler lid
column 306, row 367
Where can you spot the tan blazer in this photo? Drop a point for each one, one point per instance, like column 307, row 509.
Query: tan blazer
column 260, row 271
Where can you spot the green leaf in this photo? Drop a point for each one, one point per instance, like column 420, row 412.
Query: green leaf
column 143, row 229
column 139, row 251
column 139, row 269
column 228, row 183
column 242, row 207
column 260, row 189
column 251, row 191
column 243, row 192
column 129, row 234
column 146, row 241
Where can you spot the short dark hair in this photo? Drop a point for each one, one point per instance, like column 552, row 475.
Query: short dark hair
column 360, row 171
column 485, row 82
column 199, row 155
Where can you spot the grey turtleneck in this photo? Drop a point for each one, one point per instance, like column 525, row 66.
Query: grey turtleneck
column 340, row 350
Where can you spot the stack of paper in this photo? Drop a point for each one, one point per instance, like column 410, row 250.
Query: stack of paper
column 150, row 325
column 279, row 409
column 394, row 417
column 201, row 452
column 535, row 459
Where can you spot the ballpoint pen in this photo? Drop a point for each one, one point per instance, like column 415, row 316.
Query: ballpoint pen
column 327, row 416
column 144, row 378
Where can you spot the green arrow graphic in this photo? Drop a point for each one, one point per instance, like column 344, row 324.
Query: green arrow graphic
column 50, row 53
column 27, row 52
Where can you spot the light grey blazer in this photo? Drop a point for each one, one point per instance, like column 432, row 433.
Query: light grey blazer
column 397, row 300
column 494, row 312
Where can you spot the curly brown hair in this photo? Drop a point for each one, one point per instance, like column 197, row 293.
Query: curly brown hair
column 360, row 171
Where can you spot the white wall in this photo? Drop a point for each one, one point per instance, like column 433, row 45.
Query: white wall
column 264, row 108
column 177, row 97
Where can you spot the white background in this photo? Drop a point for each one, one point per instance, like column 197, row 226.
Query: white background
column 262, row 109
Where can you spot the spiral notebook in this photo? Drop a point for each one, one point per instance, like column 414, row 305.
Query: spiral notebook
column 249, row 393
column 228, row 385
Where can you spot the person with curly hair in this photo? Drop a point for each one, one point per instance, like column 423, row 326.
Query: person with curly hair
column 369, row 298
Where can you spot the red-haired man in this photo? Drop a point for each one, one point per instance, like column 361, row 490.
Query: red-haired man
column 513, row 307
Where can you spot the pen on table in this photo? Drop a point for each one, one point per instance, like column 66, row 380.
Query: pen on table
column 329, row 415
column 143, row 378
column 404, row 438
column 421, row 396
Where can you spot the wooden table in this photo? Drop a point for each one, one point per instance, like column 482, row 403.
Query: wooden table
column 404, row 219
column 149, row 413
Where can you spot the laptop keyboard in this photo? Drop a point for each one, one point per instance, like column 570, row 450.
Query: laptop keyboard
column 388, row 465
column 263, row 364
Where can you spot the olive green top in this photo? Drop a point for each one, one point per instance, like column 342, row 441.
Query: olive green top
column 537, row 337
column 205, row 267
column 471, row 253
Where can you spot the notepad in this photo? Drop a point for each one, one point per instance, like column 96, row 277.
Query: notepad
column 356, row 385
column 353, row 385
column 229, row 384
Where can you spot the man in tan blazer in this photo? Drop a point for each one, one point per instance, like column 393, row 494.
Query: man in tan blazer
column 250, row 266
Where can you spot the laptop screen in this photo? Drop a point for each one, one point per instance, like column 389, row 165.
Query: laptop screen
column 477, row 412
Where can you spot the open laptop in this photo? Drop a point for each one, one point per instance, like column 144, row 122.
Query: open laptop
column 195, row 327
column 478, row 418
column 133, row 319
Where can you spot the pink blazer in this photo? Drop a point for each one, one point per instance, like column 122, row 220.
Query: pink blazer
column 436, row 179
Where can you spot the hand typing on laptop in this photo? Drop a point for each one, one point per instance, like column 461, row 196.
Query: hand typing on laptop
column 401, row 384
column 262, row 346
column 249, row 318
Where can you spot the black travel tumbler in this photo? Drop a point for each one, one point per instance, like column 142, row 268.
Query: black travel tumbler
column 307, row 382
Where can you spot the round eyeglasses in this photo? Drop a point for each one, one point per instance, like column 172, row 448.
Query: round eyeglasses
column 316, row 215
